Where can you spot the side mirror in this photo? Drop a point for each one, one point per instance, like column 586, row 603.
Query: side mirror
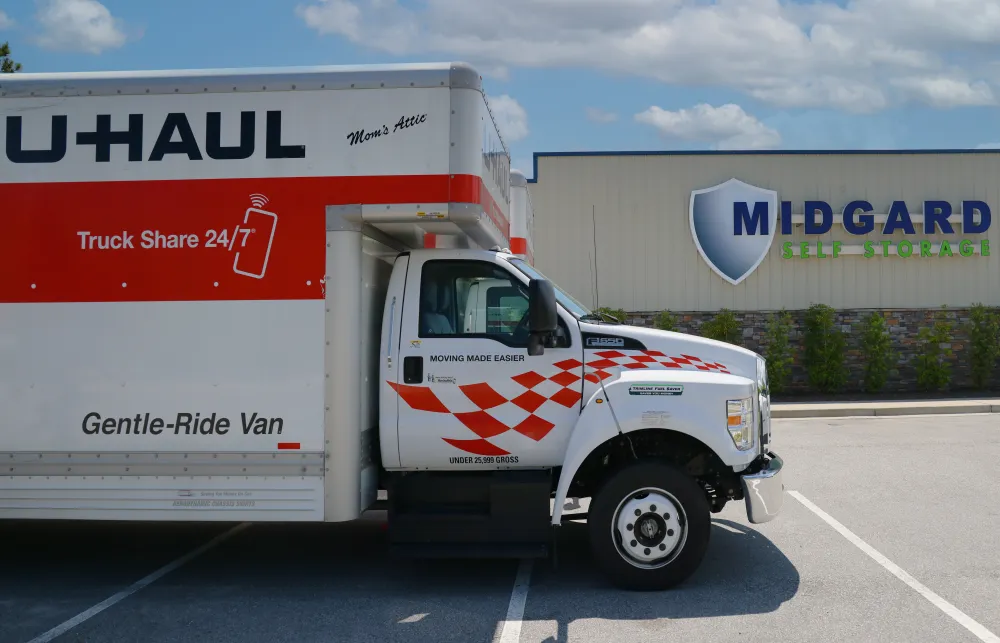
column 542, row 317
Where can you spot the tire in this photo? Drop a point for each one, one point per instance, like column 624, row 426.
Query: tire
column 679, row 526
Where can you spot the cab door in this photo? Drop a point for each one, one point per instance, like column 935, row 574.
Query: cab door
column 470, row 396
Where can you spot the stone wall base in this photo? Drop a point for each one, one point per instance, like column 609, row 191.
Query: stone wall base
column 904, row 324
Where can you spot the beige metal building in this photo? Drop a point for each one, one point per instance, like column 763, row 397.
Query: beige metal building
column 665, row 239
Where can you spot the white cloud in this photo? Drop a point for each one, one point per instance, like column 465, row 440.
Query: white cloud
column 789, row 54
column 726, row 127
column 79, row 25
column 988, row 146
column 512, row 120
column 947, row 92
column 5, row 21
column 599, row 115
column 338, row 17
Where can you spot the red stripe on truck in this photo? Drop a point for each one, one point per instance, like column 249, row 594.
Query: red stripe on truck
column 190, row 240
column 289, row 445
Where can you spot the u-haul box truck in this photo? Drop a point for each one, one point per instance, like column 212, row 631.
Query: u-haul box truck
column 522, row 218
column 217, row 303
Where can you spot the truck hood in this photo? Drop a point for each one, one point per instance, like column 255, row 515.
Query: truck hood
column 688, row 351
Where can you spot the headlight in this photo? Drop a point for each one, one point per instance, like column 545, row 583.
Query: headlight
column 740, row 422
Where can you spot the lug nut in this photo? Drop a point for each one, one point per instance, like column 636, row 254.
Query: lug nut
column 666, row 516
column 646, row 551
column 663, row 547
column 633, row 544
column 670, row 532
column 628, row 526
column 652, row 509
column 638, row 512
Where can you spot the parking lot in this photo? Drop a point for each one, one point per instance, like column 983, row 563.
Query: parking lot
column 889, row 532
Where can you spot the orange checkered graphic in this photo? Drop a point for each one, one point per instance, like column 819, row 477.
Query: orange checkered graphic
column 535, row 391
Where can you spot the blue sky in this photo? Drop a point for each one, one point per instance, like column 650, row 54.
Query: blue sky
column 569, row 75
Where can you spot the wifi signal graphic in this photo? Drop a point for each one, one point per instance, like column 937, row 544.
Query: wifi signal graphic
column 258, row 200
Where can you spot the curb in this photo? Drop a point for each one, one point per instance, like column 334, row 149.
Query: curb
column 875, row 409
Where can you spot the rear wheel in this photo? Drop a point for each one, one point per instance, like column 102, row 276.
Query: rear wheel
column 649, row 526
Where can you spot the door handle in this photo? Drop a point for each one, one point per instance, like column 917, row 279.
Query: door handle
column 413, row 369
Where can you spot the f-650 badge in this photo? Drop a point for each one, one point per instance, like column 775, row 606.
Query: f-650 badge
column 605, row 342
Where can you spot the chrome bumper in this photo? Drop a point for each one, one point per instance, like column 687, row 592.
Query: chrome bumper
column 764, row 491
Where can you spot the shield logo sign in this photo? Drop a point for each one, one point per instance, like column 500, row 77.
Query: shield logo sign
column 733, row 226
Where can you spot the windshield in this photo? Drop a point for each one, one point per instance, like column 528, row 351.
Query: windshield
column 573, row 306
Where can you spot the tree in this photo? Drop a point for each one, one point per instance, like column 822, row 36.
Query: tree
column 7, row 64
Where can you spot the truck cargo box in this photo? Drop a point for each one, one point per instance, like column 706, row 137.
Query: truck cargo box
column 172, row 308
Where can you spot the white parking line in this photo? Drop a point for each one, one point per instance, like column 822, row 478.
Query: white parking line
column 62, row 628
column 961, row 617
column 509, row 630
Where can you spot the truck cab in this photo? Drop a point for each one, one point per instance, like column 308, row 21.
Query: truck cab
column 501, row 393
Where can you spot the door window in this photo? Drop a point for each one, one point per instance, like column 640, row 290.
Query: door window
column 472, row 299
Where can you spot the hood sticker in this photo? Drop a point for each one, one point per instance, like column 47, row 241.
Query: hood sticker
column 656, row 389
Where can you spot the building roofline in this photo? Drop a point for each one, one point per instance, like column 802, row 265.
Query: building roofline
column 892, row 152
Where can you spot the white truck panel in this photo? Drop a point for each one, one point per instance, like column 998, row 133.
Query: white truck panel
column 697, row 410
column 342, row 410
column 179, row 498
column 480, row 404
column 228, row 376
column 316, row 124
column 389, row 363
column 316, row 119
column 479, row 149
column 376, row 269
column 354, row 306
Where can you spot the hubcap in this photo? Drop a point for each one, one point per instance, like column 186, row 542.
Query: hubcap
column 649, row 528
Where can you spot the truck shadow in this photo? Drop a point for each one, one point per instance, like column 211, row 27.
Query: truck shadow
column 743, row 573
column 342, row 577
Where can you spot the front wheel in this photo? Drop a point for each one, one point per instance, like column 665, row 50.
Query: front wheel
column 649, row 526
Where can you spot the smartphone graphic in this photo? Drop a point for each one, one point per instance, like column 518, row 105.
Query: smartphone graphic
column 251, row 256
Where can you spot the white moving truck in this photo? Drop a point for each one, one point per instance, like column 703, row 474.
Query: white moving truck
column 522, row 218
column 218, row 303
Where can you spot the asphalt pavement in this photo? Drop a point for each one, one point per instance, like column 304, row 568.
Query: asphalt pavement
column 888, row 533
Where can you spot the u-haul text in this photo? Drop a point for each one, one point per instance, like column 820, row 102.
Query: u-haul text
column 158, row 137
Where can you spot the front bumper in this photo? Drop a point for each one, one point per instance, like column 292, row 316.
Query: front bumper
column 764, row 491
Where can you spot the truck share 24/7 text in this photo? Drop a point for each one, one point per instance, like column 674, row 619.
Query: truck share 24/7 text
column 155, row 240
column 227, row 299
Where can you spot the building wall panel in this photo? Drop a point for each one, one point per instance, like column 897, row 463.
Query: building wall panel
column 647, row 259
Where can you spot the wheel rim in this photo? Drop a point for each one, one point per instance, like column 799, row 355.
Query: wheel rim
column 649, row 528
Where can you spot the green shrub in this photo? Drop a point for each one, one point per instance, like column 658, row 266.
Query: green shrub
column 876, row 348
column 933, row 351
column 618, row 313
column 723, row 327
column 666, row 320
column 779, row 351
column 825, row 346
column 984, row 343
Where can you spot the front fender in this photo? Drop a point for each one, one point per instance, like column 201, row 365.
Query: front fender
column 694, row 403
column 595, row 427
